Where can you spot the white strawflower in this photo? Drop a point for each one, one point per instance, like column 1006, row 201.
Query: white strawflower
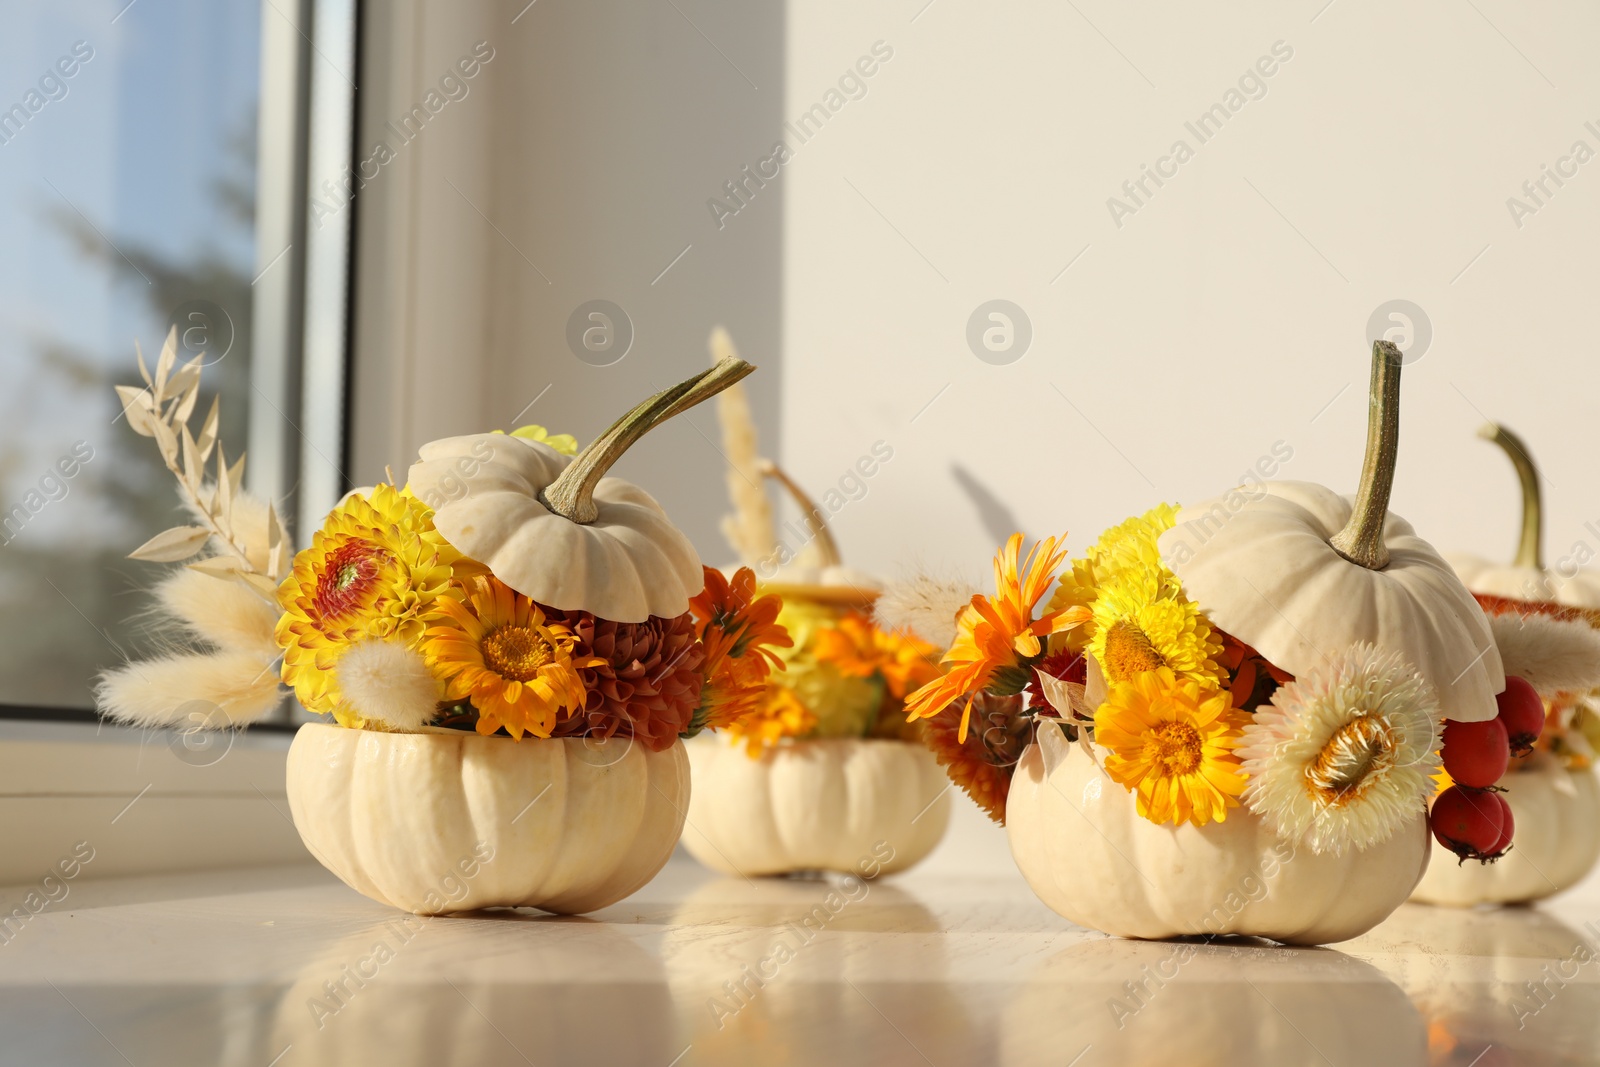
column 388, row 682
column 1343, row 755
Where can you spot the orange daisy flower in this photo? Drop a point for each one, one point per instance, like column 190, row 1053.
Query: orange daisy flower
column 858, row 649
column 739, row 631
column 499, row 650
column 996, row 635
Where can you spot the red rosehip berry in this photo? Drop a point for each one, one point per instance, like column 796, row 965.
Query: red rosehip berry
column 1507, row 830
column 1522, row 712
column 1469, row 822
column 1476, row 754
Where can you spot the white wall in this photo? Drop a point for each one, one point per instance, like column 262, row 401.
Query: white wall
column 1222, row 316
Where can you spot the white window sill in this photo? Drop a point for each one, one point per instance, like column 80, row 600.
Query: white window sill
column 142, row 800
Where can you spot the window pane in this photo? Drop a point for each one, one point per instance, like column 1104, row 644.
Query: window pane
column 127, row 199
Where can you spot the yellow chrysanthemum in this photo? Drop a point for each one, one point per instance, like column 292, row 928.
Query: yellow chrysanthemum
column 1142, row 622
column 564, row 443
column 780, row 714
column 1171, row 740
column 498, row 650
column 1129, row 545
column 375, row 570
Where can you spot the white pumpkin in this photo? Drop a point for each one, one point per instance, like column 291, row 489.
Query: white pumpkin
column 1299, row 572
column 448, row 821
column 555, row 529
column 1084, row 849
column 824, row 804
column 1525, row 577
column 1557, row 818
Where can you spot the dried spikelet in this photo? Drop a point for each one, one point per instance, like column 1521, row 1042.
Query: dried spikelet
column 251, row 525
column 1555, row 655
column 749, row 529
column 231, row 615
column 924, row 605
column 224, row 688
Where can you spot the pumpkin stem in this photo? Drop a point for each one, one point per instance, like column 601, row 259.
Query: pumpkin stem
column 821, row 536
column 572, row 494
column 1528, row 554
column 1361, row 541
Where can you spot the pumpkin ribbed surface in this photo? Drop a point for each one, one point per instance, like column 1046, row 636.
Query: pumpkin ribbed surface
column 1084, row 849
column 824, row 804
column 1557, row 815
column 571, row 825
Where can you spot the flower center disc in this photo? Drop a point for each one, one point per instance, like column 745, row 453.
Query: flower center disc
column 1353, row 759
column 515, row 652
column 1129, row 652
column 348, row 574
column 1174, row 747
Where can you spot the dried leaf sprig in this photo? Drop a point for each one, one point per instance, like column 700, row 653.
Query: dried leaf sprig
column 162, row 410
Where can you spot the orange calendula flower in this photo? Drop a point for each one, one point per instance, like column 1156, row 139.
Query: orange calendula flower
column 777, row 715
column 858, row 649
column 500, row 651
column 995, row 635
column 1172, row 740
column 739, row 631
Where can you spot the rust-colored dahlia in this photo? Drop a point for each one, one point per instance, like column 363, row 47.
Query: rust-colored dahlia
column 983, row 764
column 649, row 685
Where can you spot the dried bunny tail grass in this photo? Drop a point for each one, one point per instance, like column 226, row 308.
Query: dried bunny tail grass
column 228, row 614
column 749, row 529
column 1554, row 655
column 387, row 681
column 227, row 688
column 251, row 525
column 924, row 605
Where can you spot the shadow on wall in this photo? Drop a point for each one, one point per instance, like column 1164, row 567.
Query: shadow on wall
column 999, row 521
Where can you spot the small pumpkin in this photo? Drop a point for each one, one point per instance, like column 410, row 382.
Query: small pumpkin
column 1254, row 686
column 447, row 821
column 1557, row 816
column 1085, row 851
column 830, row 768
column 556, row 529
column 570, row 823
column 822, row 804
column 1526, row 577
column 1543, row 624
column 1301, row 571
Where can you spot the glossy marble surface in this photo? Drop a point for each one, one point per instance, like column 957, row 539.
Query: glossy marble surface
column 241, row 968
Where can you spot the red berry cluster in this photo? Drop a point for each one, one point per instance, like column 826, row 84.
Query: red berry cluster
column 1470, row 818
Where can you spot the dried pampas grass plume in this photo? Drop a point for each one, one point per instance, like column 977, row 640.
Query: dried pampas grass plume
column 925, row 606
column 749, row 529
column 390, row 683
column 1555, row 655
column 228, row 688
